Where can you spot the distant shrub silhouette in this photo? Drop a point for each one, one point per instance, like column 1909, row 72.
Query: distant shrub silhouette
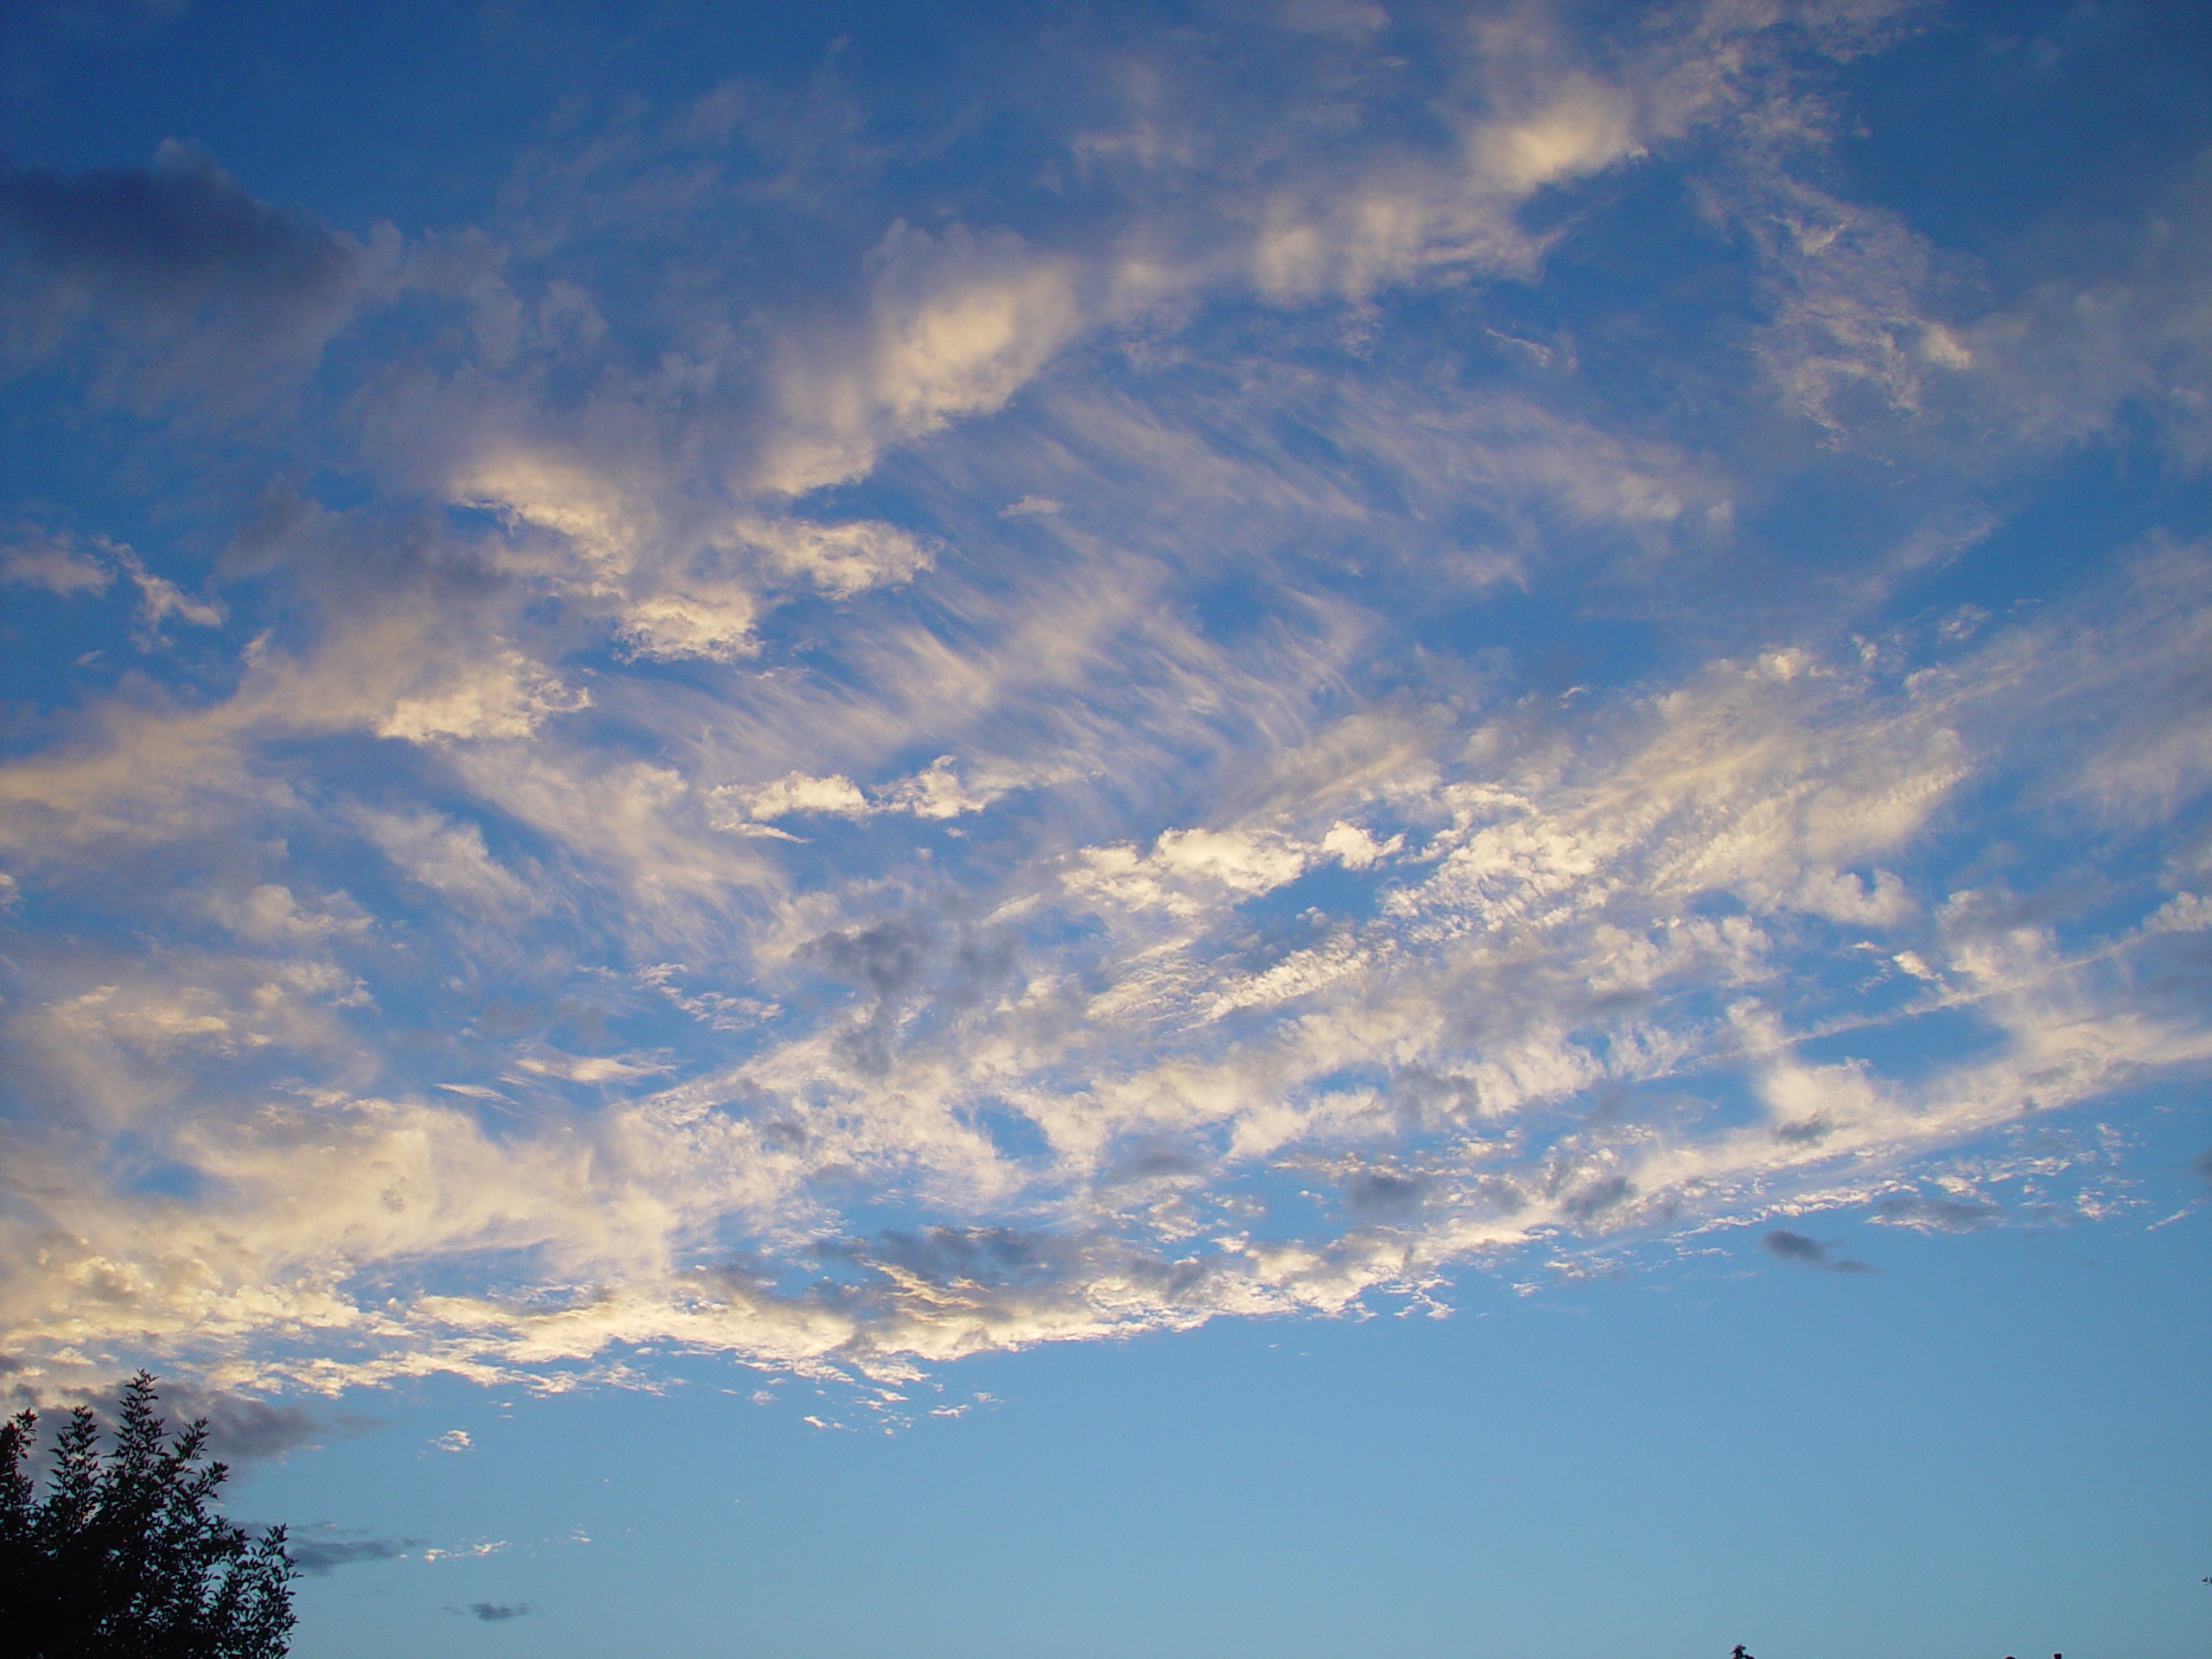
column 124, row 1558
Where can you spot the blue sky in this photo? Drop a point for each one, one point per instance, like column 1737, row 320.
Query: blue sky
column 1320, row 829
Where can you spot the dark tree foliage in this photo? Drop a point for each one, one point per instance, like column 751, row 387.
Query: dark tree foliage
column 124, row 1558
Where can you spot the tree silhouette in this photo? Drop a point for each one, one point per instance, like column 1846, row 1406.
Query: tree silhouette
column 124, row 1558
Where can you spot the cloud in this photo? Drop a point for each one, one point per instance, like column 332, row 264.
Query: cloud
column 493, row 1612
column 850, row 769
column 1382, row 1195
column 62, row 568
column 1582, row 126
column 841, row 559
column 1541, row 931
column 713, row 620
column 936, row 791
column 56, row 566
column 449, row 858
column 319, row 1557
column 796, row 792
column 587, row 1068
column 1184, row 870
column 181, row 228
column 474, row 1552
column 959, row 321
column 272, row 914
column 206, row 286
column 159, row 599
column 1927, row 1214
column 506, row 696
column 1801, row 1251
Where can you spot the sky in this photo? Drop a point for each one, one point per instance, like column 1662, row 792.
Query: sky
column 1323, row 829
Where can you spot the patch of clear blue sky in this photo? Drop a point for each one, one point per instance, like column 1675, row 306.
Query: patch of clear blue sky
column 1991, row 1444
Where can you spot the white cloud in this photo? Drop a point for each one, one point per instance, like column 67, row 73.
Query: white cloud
column 503, row 695
column 449, row 858
column 1375, row 757
column 936, row 791
column 570, row 497
column 959, row 321
column 2186, row 912
column 840, row 559
column 61, row 566
column 159, row 598
column 56, row 566
column 272, row 913
column 1186, row 871
column 1356, row 848
column 1583, row 126
column 837, row 796
column 587, row 1068
column 703, row 618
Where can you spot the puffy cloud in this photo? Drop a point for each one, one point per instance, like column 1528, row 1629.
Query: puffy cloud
column 1187, row 869
column 704, row 619
column 530, row 487
column 1583, row 125
column 839, row 559
column 957, row 323
column 936, row 791
column 506, row 696
column 797, row 792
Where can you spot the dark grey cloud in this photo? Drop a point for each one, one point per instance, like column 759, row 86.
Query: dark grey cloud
column 906, row 962
column 1151, row 1158
column 182, row 229
column 897, row 958
column 887, row 959
column 1379, row 1195
column 1796, row 1247
column 1938, row 1215
column 241, row 1431
column 206, row 284
column 947, row 1254
column 1598, row 1197
column 2202, row 1164
column 317, row 1557
column 493, row 1612
column 245, row 1430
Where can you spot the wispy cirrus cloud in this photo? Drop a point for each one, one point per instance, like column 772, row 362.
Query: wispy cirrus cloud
column 1235, row 731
